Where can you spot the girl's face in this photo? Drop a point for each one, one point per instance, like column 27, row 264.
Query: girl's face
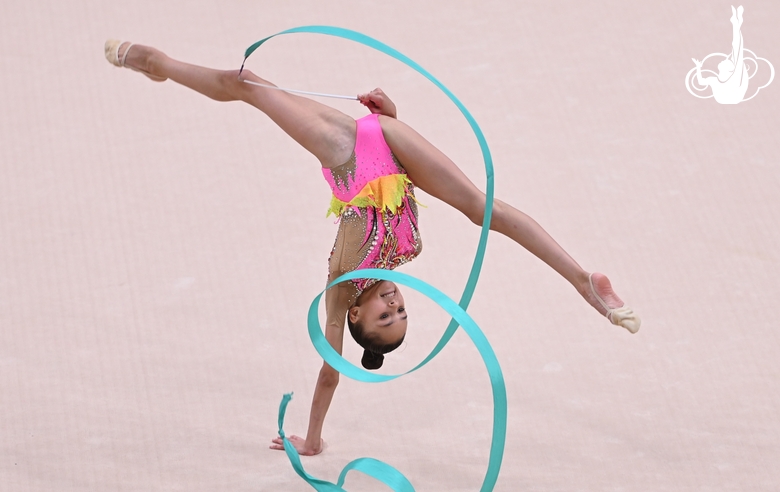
column 381, row 311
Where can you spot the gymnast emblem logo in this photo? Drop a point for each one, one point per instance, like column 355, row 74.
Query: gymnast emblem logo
column 735, row 70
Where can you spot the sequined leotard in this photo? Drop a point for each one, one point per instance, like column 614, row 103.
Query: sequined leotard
column 374, row 201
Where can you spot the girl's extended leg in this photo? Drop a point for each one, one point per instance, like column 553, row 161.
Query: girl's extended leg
column 433, row 172
column 325, row 132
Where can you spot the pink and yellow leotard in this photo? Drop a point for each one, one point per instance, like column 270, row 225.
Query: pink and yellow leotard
column 374, row 201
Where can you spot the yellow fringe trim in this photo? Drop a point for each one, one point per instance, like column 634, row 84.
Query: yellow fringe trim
column 384, row 193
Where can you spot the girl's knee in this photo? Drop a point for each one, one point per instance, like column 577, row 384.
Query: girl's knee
column 476, row 210
column 232, row 83
column 232, row 77
column 476, row 213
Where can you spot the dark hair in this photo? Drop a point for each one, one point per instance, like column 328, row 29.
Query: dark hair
column 374, row 349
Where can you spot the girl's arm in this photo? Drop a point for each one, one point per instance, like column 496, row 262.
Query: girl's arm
column 346, row 252
column 336, row 305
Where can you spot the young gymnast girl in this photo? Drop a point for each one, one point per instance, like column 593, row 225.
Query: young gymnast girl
column 372, row 166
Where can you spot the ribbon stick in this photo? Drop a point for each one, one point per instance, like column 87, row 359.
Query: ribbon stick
column 296, row 91
column 374, row 468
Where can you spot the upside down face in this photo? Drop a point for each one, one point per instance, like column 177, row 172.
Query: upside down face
column 381, row 311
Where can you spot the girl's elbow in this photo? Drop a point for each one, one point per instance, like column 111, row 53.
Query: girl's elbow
column 329, row 377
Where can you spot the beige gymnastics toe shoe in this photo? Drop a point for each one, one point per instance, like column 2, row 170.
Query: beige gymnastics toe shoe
column 623, row 316
column 112, row 55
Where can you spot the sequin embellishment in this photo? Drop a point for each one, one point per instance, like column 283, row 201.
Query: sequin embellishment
column 372, row 194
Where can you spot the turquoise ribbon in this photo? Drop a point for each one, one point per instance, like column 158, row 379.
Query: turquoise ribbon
column 374, row 468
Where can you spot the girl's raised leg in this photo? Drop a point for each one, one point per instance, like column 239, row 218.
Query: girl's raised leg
column 433, row 172
column 325, row 132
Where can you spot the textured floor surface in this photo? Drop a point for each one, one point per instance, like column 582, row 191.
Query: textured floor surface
column 158, row 250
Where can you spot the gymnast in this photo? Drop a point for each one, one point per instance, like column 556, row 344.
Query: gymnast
column 372, row 166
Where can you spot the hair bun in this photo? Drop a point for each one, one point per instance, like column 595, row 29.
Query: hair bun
column 372, row 360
